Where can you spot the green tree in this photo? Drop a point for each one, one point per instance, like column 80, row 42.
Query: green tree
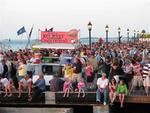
column 143, row 33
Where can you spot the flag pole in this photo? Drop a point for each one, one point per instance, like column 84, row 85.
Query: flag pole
column 28, row 36
column 28, row 41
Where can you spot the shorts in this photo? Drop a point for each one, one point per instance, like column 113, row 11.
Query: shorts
column 20, row 77
column 77, row 76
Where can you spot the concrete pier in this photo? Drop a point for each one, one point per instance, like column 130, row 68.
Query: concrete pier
column 35, row 110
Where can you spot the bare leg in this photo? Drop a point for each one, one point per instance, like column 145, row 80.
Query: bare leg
column 19, row 90
column 65, row 91
column 83, row 93
column 68, row 91
column 79, row 92
column 6, row 91
column 131, row 86
column 114, row 97
column 148, row 87
column 122, row 100
column 10, row 89
column 110, row 97
column 146, row 90
column 29, row 90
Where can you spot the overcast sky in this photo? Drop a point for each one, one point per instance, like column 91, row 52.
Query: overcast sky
column 64, row 15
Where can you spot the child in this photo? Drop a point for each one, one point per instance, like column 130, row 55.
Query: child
column 81, row 87
column 88, row 72
column 68, row 70
column 7, row 86
column 67, row 87
column 122, row 91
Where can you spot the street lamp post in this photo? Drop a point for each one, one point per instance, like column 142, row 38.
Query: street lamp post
column 134, row 35
column 119, row 37
column 138, row 35
column 90, row 29
column 107, row 29
column 128, row 34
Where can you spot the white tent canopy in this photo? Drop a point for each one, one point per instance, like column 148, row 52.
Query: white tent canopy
column 54, row 46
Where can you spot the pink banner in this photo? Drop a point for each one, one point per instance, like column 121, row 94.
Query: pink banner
column 60, row 37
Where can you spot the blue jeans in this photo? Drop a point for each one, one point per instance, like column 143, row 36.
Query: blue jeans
column 20, row 77
column 99, row 95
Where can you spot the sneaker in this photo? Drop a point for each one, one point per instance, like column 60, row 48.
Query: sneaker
column 29, row 99
column 9, row 95
column 111, row 104
column 98, row 102
column 104, row 103
column 5, row 95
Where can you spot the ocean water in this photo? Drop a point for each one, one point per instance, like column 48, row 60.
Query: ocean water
column 21, row 44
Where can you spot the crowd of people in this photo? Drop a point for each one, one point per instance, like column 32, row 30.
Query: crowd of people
column 110, row 69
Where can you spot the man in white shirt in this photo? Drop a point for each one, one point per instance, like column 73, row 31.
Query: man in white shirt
column 102, row 84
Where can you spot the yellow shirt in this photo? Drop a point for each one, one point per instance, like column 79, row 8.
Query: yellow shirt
column 22, row 71
column 68, row 71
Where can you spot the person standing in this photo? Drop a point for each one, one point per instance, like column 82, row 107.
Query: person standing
column 5, row 67
column 77, row 67
column 68, row 70
column 22, row 70
column 146, row 75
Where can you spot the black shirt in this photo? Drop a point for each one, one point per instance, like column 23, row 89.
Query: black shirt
column 78, row 67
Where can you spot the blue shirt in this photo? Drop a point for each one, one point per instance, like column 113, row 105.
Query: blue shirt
column 40, row 83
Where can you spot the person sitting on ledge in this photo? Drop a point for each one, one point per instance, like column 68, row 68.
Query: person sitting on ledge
column 112, row 90
column 8, row 89
column 102, row 84
column 25, row 84
column 38, row 87
column 67, row 87
column 81, row 87
column 122, row 92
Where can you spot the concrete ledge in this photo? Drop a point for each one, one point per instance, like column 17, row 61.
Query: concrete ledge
column 23, row 99
column 90, row 98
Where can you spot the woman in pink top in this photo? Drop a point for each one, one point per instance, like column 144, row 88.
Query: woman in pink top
column 67, row 87
column 112, row 90
column 88, row 72
column 81, row 87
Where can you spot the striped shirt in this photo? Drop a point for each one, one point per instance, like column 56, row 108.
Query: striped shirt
column 146, row 69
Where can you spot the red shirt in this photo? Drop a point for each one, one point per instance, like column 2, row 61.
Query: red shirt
column 137, row 68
